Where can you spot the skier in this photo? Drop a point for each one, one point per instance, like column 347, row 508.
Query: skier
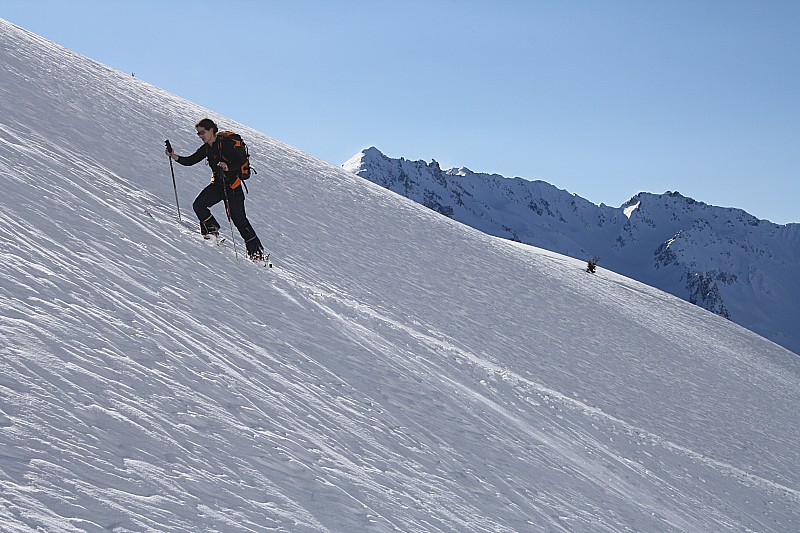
column 226, row 184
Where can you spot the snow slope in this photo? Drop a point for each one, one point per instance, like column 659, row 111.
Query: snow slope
column 396, row 371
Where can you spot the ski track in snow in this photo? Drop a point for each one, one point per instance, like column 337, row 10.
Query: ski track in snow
column 395, row 371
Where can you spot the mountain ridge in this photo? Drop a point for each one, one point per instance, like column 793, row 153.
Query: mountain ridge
column 722, row 259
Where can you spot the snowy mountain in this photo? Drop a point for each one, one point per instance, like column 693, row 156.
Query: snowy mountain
column 395, row 371
column 721, row 259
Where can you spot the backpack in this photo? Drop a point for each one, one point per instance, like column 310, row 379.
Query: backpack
column 241, row 148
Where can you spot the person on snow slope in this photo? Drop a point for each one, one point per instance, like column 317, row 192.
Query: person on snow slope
column 225, row 162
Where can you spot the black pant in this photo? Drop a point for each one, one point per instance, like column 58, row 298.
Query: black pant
column 214, row 194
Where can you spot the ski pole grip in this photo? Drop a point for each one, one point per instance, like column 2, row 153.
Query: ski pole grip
column 169, row 146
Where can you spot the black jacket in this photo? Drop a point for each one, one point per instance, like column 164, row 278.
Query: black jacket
column 221, row 150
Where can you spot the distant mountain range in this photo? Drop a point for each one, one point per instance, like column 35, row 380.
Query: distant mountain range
column 722, row 259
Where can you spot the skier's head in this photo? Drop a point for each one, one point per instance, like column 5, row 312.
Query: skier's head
column 207, row 124
column 203, row 127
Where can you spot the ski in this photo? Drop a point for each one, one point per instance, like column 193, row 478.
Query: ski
column 263, row 260
column 216, row 237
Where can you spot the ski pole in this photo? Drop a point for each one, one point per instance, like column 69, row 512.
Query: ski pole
column 228, row 211
column 174, row 185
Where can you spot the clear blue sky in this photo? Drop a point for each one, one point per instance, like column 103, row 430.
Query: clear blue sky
column 601, row 98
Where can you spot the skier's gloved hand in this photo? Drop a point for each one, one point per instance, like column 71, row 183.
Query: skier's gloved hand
column 219, row 176
column 222, row 172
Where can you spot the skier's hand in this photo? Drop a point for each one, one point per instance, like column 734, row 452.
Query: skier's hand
column 223, row 165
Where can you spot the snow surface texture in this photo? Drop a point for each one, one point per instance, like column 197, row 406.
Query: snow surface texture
column 722, row 259
column 395, row 371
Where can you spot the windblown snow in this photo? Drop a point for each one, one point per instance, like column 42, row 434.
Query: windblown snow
column 395, row 371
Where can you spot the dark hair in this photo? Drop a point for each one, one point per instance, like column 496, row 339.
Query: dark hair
column 207, row 124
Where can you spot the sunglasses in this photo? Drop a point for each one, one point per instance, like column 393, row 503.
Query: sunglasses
column 201, row 133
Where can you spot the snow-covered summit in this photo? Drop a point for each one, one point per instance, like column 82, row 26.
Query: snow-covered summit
column 723, row 259
column 396, row 371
